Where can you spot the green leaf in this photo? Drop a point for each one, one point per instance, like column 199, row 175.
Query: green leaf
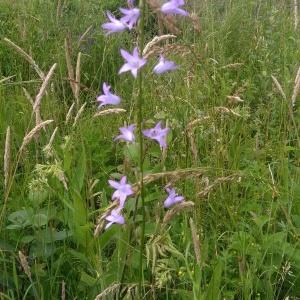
column 214, row 287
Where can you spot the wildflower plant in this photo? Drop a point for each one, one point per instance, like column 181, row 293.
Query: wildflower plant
column 133, row 63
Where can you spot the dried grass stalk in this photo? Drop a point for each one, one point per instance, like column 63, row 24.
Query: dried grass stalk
column 27, row 57
column 27, row 139
column 68, row 53
column 185, row 205
column 77, row 78
column 82, row 37
column 48, row 148
column 171, row 176
column 195, row 21
column 80, row 111
column 24, row 264
column 222, row 109
column 196, row 241
column 6, row 78
column 28, row 96
column 7, row 154
column 234, row 99
column 217, row 182
column 296, row 89
column 63, row 290
column 296, row 18
column 232, row 66
column 43, row 88
column 109, row 290
column 109, row 112
column 69, row 113
column 156, row 40
column 279, row 87
column 168, row 49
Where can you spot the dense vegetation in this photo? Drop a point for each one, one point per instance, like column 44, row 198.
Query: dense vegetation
column 233, row 152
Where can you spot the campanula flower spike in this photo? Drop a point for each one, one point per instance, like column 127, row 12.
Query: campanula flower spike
column 173, row 198
column 127, row 134
column 114, row 25
column 122, row 190
column 164, row 66
column 173, row 7
column 114, row 217
column 130, row 17
column 158, row 134
column 108, row 97
column 133, row 62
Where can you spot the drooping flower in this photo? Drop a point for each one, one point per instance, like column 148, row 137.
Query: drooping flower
column 127, row 133
column 133, row 62
column 173, row 7
column 122, row 190
column 164, row 66
column 172, row 198
column 114, row 25
column 108, row 97
column 114, row 217
column 130, row 17
column 157, row 133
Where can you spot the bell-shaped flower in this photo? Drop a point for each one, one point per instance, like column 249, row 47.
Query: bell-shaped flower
column 158, row 134
column 130, row 17
column 122, row 190
column 114, row 25
column 108, row 97
column 164, row 66
column 173, row 7
column 173, row 198
column 127, row 133
column 114, row 217
column 133, row 62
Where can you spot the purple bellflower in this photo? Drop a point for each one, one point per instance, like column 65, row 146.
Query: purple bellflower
column 173, row 7
column 114, row 25
column 127, row 133
column 122, row 190
column 130, row 17
column 133, row 62
column 108, row 97
column 114, row 217
column 173, row 198
column 157, row 133
column 164, row 66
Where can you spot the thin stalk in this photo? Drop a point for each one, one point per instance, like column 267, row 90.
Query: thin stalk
column 141, row 38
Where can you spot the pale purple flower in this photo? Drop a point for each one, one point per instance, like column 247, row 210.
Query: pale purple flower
column 114, row 217
column 164, row 66
column 157, row 133
column 173, row 7
column 130, row 17
column 133, row 62
column 114, row 25
column 173, row 198
column 127, row 133
column 122, row 190
column 108, row 97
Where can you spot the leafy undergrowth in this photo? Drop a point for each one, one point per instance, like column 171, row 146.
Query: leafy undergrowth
column 233, row 152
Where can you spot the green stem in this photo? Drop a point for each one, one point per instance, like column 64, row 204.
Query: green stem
column 141, row 148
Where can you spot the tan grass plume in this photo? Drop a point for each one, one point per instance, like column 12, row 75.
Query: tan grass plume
column 27, row 139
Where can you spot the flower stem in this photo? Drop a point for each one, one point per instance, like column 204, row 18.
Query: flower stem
column 141, row 148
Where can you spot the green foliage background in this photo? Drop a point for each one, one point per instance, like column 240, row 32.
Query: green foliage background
column 249, row 227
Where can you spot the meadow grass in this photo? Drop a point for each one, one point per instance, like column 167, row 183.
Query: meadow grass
column 233, row 152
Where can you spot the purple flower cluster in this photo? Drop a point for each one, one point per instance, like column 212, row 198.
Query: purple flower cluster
column 133, row 63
